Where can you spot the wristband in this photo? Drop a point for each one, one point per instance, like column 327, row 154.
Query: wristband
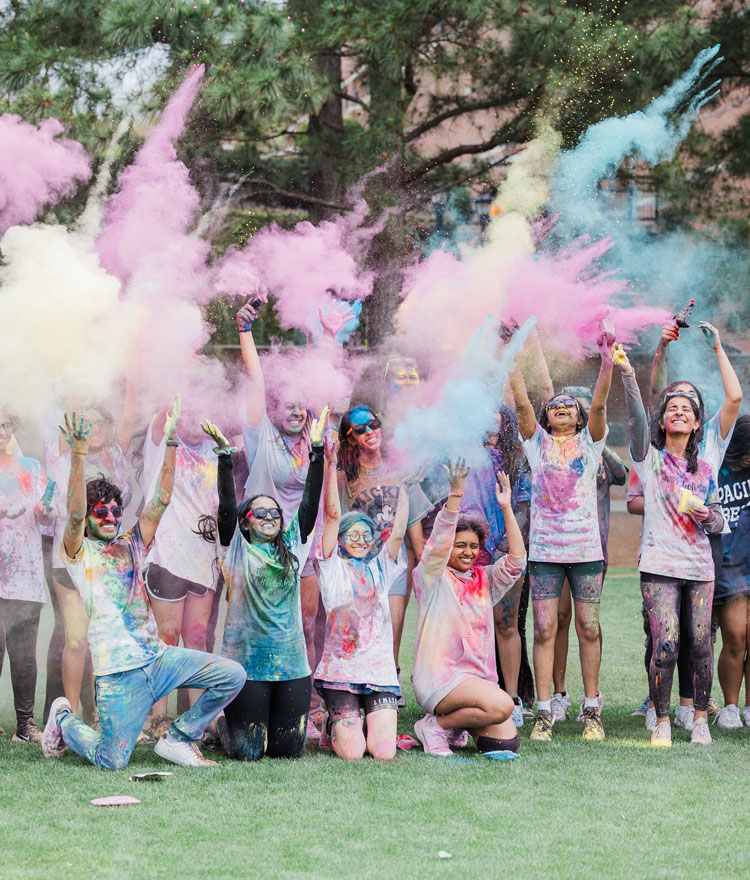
column 173, row 442
column 455, row 494
column 228, row 450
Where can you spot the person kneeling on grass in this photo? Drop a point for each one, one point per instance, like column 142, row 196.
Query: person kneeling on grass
column 133, row 668
column 357, row 670
column 455, row 672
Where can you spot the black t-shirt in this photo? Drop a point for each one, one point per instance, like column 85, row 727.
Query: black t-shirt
column 734, row 495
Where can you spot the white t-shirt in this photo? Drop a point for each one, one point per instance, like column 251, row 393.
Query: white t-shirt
column 21, row 567
column 274, row 471
column 177, row 547
column 358, row 645
column 564, row 519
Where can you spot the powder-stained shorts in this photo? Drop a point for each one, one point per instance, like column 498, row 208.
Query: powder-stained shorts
column 585, row 579
column 162, row 584
column 345, row 704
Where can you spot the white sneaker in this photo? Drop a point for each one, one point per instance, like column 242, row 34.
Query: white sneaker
column 52, row 741
column 651, row 719
column 559, row 705
column 517, row 715
column 729, row 717
column 186, row 754
column 599, row 703
column 661, row 738
column 701, row 734
column 432, row 736
column 684, row 716
column 746, row 715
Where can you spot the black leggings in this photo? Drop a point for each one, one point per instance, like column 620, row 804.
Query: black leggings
column 269, row 718
column 19, row 627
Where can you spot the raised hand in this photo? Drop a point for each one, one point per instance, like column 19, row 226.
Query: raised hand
column 606, row 339
column 171, row 421
column 77, row 432
column 620, row 359
column 318, row 427
column 711, row 333
column 506, row 331
column 246, row 316
column 669, row 333
column 329, row 451
column 49, row 492
column 457, row 474
column 336, row 318
column 222, row 444
column 502, row 490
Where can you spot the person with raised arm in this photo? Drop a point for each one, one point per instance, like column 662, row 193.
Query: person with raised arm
column 357, row 671
column 132, row 666
column 455, row 671
column 680, row 510
column 563, row 449
column 262, row 557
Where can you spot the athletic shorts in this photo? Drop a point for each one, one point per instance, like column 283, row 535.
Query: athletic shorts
column 162, row 584
column 585, row 579
column 345, row 704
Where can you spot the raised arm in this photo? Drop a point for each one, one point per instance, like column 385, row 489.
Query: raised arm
column 129, row 416
column 437, row 550
column 598, row 411
column 637, row 422
column 308, row 509
column 541, row 370
column 227, row 518
column 660, row 367
column 332, row 502
column 400, row 522
column 76, row 433
column 256, row 404
column 616, row 465
column 512, row 528
column 153, row 512
column 524, row 409
column 732, row 388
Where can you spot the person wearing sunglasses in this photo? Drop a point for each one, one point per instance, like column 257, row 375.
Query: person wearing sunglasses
column 25, row 504
column 564, row 449
column 680, row 510
column 455, row 672
column 132, row 665
column 366, row 484
column 262, row 557
column 357, row 671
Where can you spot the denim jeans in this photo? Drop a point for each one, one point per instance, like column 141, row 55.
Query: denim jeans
column 124, row 699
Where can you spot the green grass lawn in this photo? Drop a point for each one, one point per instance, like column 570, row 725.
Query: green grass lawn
column 566, row 809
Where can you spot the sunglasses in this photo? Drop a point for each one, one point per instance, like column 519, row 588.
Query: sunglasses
column 264, row 513
column 691, row 395
column 562, row 402
column 359, row 430
column 359, row 537
column 103, row 512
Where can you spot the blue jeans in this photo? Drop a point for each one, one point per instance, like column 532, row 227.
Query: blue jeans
column 124, row 699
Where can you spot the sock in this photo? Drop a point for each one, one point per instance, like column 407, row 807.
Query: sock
column 490, row 744
column 543, row 706
column 590, row 703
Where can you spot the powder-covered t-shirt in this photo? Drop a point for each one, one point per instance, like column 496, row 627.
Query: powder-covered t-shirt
column 359, row 635
column 456, row 630
column 21, row 568
column 673, row 544
column 274, row 469
column 109, row 578
column 177, row 546
column 263, row 629
column 564, row 518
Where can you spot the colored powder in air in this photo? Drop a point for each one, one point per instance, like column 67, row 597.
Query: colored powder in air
column 38, row 168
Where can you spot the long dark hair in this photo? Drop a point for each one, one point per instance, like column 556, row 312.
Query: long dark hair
column 508, row 444
column 659, row 435
column 583, row 418
column 348, row 453
column 738, row 451
column 660, row 402
column 288, row 560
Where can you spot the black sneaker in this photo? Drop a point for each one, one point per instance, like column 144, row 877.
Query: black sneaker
column 27, row 732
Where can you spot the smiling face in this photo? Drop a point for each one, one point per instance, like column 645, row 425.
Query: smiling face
column 101, row 432
column 7, row 427
column 679, row 416
column 464, row 551
column 103, row 520
column 263, row 520
column 403, row 374
column 289, row 415
column 563, row 416
column 357, row 540
column 365, row 432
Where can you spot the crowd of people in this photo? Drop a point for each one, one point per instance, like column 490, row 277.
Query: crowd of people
column 317, row 540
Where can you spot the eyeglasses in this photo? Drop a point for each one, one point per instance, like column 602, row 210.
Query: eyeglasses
column 103, row 512
column 691, row 395
column 359, row 537
column 359, row 430
column 562, row 402
column 264, row 513
column 7, row 426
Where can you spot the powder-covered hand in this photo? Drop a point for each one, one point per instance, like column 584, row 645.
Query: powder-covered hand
column 669, row 333
column 457, row 474
column 12, row 512
column 620, row 359
column 172, row 420
column 711, row 333
column 329, row 451
column 222, row 444
column 502, row 490
column 246, row 317
column 318, row 427
column 76, row 432
column 336, row 318
column 606, row 339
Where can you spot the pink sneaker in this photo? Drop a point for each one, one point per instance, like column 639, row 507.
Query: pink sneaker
column 458, row 738
column 701, row 734
column 52, row 741
column 432, row 736
column 312, row 731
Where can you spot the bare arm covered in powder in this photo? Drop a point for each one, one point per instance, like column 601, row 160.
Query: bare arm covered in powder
column 660, row 366
column 153, row 512
column 541, row 370
column 256, row 400
column 396, row 538
column 598, row 412
column 331, row 500
column 76, row 433
column 730, row 408
column 524, row 409
column 129, row 416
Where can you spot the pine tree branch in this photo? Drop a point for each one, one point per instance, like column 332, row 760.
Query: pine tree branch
column 472, row 107
column 298, row 196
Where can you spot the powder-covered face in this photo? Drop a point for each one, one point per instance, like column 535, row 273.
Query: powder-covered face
column 7, row 427
column 404, row 374
column 464, row 551
column 679, row 416
column 102, row 430
column 357, row 540
column 290, row 417
column 103, row 520
column 263, row 526
column 562, row 414
column 370, row 439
